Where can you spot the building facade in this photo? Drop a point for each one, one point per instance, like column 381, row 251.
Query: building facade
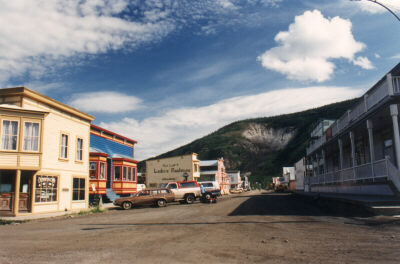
column 113, row 170
column 214, row 170
column 234, row 180
column 44, row 154
column 360, row 152
column 179, row 168
column 300, row 173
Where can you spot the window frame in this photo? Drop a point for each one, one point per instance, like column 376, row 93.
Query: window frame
column 38, row 138
column 36, row 189
column 81, row 150
column 10, row 119
column 95, row 170
column 79, row 189
column 61, row 146
column 104, row 171
column 120, row 171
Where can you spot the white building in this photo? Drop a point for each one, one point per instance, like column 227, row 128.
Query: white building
column 44, row 154
column 360, row 152
column 235, row 180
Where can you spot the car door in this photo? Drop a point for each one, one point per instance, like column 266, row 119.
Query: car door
column 144, row 198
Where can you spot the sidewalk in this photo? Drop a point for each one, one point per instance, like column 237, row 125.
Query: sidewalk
column 377, row 204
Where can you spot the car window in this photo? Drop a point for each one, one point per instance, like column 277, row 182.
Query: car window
column 187, row 184
column 164, row 185
column 145, row 193
column 173, row 186
column 207, row 184
column 154, row 192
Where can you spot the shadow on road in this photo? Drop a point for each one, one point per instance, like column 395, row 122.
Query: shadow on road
column 289, row 204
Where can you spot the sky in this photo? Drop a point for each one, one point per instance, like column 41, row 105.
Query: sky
column 165, row 73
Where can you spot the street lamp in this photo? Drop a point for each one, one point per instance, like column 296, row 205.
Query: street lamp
column 376, row 2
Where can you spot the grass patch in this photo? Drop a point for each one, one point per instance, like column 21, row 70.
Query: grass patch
column 9, row 222
column 93, row 210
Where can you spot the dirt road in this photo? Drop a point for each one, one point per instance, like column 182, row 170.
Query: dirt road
column 251, row 228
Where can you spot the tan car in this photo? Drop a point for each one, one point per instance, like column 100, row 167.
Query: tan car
column 159, row 197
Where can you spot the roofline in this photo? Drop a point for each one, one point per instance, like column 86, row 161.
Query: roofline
column 23, row 110
column 102, row 154
column 125, row 159
column 45, row 99
column 112, row 133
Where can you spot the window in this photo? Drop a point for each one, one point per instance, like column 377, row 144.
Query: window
column 31, row 136
column 117, row 173
column 173, row 186
column 187, row 184
column 129, row 174
column 102, row 170
column 9, row 135
column 92, row 170
column 79, row 149
column 46, row 189
column 134, row 174
column 125, row 173
column 78, row 192
column 64, row 146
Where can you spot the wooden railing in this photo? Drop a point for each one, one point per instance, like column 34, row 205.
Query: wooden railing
column 369, row 100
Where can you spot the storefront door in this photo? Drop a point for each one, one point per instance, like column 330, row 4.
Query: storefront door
column 7, row 182
column 25, row 191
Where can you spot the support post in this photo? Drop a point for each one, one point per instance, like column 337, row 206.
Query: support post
column 371, row 145
column 16, row 192
column 390, row 84
column 340, row 142
column 353, row 153
column 396, row 135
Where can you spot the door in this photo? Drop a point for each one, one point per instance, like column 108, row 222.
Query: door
column 7, row 183
column 25, row 191
column 109, row 173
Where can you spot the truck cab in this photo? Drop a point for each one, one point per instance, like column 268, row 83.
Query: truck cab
column 185, row 191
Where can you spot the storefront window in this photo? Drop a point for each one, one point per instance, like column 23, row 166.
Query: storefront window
column 46, row 189
column 117, row 173
column 9, row 135
column 31, row 136
column 92, row 170
column 78, row 193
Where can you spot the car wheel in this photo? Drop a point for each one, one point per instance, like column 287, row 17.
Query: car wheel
column 161, row 203
column 189, row 199
column 208, row 196
column 126, row 205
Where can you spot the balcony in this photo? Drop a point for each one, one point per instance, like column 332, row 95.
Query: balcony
column 381, row 169
column 20, row 160
column 371, row 99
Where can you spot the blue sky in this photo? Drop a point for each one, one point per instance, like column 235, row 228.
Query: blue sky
column 167, row 72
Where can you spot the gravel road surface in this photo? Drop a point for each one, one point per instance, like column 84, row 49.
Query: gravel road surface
column 253, row 227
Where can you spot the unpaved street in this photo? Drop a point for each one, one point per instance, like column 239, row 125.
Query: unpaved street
column 251, row 228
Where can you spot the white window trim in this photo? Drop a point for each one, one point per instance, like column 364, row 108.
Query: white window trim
column 1, row 135
column 23, row 137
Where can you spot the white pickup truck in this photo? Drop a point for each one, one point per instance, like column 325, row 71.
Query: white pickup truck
column 185, row 191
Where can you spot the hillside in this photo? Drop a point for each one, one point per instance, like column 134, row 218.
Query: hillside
column 262, row 145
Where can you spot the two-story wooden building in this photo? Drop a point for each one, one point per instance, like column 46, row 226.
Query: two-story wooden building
column 44, row 154
column 113, row 170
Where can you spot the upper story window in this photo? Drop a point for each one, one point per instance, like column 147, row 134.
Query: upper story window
column 92, row 170
column 79, row 149
column 31, row 136
column 64, row 146
column 102, row 170
column 117, row 173
column 9, row 135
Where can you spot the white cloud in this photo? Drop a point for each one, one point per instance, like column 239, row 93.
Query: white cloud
column 374, row 8
column 105, row 102
column 227, row 4
column 176, row 127
column 364, row 63
column 397, row 56
column 305, row 50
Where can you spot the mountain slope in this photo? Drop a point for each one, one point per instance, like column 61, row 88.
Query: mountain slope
column 262, row 145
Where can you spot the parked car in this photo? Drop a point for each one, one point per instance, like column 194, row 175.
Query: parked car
column 157, row 196
column 212, row 189
column 185, row 191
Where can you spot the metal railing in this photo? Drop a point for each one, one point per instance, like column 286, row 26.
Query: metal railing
column 378, row 169
column 370, row 99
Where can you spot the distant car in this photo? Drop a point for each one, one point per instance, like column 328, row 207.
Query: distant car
column 211, row 188
column 157, row 196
